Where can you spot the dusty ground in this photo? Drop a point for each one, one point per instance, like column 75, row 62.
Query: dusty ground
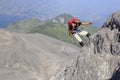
column 32, row 56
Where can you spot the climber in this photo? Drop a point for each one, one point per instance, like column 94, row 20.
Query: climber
column 73, row 25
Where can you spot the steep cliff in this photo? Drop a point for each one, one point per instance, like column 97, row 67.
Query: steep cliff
column 100, row 59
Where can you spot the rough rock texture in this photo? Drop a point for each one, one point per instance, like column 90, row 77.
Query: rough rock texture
column 100, row 59
column 114, row 23
column 106, row 41
column 32, row 56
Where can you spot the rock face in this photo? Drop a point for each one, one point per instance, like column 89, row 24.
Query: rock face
column 32, row 56
column 113, row 22
column 100, row 59
column 106, row 41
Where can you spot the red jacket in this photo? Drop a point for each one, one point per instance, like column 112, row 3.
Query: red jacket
column 70, row 27
column 73, row 20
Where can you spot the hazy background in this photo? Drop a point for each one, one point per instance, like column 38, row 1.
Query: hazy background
column 96, row 11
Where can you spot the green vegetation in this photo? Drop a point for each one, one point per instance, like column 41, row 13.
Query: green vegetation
column 59, row 31
column 25, row 25
column 56, row 30
column 53, row 27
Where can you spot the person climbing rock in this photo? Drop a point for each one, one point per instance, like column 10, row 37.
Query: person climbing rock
column 73, row 30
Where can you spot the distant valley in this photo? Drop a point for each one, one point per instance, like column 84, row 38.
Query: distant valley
column 5, row 20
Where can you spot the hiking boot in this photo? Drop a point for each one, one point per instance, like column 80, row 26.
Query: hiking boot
column 88, row 35
column 81, row 44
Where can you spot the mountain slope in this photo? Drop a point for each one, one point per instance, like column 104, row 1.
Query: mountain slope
column 59, row 31
column 63, row 18
column 56, row 27
column 52, row 29
column 100, row 59
column 32, row 56
column 25, row 26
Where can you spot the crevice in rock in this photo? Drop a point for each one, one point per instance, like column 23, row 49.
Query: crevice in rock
column 118, row 37
column 98, row 44
column 111, row 49
column 114, row 49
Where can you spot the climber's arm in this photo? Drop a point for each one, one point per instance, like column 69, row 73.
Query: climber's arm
column 86, row 23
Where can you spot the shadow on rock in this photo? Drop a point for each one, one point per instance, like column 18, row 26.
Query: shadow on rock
column 116, row 75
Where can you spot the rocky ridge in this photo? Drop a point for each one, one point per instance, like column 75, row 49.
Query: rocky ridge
column 100, row 59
